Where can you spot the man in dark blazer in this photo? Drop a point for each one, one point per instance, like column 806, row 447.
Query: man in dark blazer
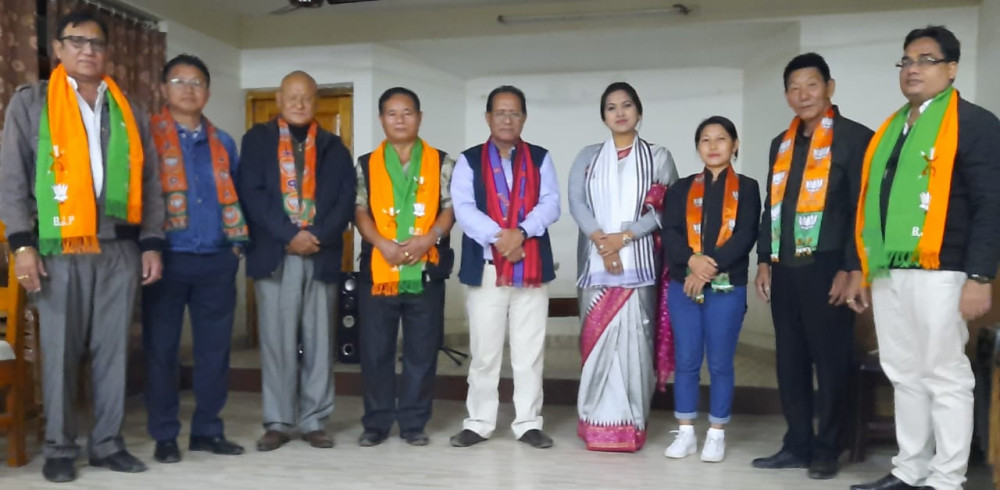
column 296, row 184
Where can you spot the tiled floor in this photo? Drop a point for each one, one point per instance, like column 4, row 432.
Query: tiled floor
column 501, row 463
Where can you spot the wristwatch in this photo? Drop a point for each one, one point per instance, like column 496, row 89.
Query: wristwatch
column 524, row 232
column 626, row 239
column 981, row 279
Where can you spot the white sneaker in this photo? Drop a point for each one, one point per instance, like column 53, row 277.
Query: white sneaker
column 685, row 443
column 714, row 450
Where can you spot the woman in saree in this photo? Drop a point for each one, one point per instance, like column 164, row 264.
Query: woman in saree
column 710, row 223
column 616, row 189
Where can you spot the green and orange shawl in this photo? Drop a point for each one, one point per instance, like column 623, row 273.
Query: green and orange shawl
column 918, row 200
column 64, row 185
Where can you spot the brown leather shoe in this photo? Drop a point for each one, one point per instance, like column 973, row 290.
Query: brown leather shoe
column 272, row 440
column 318, row 439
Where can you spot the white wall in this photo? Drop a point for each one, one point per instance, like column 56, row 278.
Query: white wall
column 564, row 116
column 225, row 106
column 863, row 48
column 988, row 67
column 767, row 114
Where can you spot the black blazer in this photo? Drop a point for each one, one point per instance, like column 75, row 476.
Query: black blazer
column 258, row 183
column 733, row 256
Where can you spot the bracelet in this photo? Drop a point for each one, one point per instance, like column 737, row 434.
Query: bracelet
column 21, row 250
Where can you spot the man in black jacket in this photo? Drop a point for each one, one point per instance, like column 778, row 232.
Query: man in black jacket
column 296, row 185
column 928, row 230
column 806, row 256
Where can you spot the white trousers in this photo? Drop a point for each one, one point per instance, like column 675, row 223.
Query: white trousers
column 489, row 309
column 921, row 340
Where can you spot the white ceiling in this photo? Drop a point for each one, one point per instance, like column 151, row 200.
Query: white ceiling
column 256, row 8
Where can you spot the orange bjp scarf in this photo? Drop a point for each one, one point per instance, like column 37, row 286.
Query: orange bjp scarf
column 388, row 280
column 695, row 208
column 64, row 186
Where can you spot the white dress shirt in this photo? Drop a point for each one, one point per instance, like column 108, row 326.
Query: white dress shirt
column 92, row 123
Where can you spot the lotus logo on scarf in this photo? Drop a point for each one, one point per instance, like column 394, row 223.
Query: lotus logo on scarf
column 230, row 216
column 176, row 203
column 776, row 213
column 925, row 201
column 778, row 178
column 827, row 123
column 698, row 202
column 736, row 195
column 171, row 162
column 60, row 192
column 288, row 167
column 697, row 228
column 814, row 185
column 732, row 225
column 292, row 204
column 223, row 174
column 808, row 221
column 785, row 145
column 821, row 153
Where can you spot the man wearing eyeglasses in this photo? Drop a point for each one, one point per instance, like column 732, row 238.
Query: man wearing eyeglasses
column 205, row 236
column 927, row 232
column 77, row 155
column 505, row 197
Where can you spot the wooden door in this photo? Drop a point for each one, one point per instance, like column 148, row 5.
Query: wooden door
column 334, row 113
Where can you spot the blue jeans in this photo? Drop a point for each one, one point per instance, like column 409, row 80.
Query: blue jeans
column 712, row 327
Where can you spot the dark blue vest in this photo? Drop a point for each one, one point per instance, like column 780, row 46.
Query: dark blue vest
column 471, row 271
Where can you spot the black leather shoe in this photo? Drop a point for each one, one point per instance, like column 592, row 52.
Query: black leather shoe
column 215, row 445
column 59, row 470
column 167, row 452
column 466, row 438
column 415, row 437
column 888, row 482
column 823, row 469
column 780, row 460
column 122, row 462
column 537, row 439
column 371, row 438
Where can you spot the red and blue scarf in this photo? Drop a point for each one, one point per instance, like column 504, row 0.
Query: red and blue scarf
column 508, row 208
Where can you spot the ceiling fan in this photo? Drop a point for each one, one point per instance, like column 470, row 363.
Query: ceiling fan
column 294, row 5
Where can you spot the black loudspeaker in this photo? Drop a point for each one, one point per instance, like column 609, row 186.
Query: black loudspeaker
column 347, row 329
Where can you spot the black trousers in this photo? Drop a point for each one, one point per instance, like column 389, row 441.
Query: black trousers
column 422, row 317
column 812, row 334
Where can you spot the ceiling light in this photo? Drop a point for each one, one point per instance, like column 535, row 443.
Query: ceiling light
column 678, row 9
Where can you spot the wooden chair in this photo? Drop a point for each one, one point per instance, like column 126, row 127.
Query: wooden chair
column 16, row 380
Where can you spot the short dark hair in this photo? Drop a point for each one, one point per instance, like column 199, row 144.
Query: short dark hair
column 807, row 60
column 189, row 60
column 951, row 48
column 506, row 89
column 80, row 17
column 624, row 87
column 721, row 121
column 397, row 91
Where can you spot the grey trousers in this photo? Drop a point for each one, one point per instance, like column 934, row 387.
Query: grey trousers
column 86, row 306
column 293, row 309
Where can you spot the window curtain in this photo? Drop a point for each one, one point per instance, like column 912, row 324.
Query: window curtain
column 136, row 50
column 18, row 49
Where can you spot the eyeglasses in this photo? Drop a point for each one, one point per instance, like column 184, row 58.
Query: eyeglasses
column 182, row 83
column 921, row 62
column 513, row 116
column 79, row 42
